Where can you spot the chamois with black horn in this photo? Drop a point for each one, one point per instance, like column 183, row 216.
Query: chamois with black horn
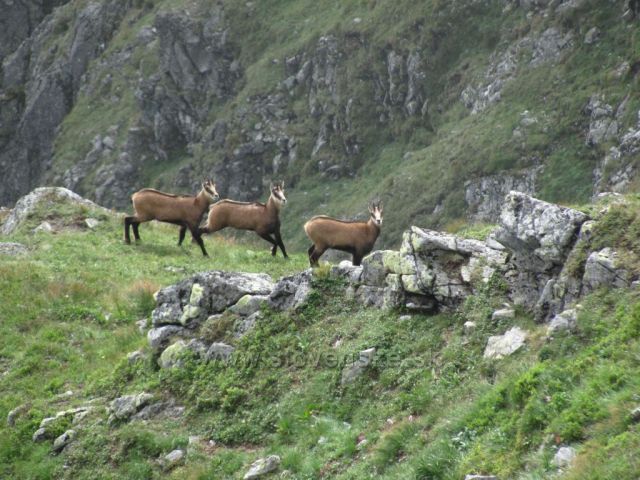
column 186, row 211
column 264, row 219
column 356, row 238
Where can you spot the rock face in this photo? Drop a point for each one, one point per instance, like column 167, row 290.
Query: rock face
column 603, row 270
column 485, row 195
column 48, row 84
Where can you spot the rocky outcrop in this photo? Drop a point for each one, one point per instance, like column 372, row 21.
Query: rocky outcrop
column 530, row 51
column 618, row 168
column 43, row 198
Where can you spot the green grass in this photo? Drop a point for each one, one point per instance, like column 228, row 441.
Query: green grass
column 429, row 407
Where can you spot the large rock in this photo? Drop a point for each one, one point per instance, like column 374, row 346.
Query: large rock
column 193, row 300
column 123, row 408
column 219, row 351
column 448, row 268
column 540, row 234
column 501, row 346
column 42, row 199
column 539, row 237
column 291, row 292
column 603, row 270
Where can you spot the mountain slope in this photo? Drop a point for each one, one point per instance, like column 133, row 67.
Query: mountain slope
column 437, row 107
column 432, row 405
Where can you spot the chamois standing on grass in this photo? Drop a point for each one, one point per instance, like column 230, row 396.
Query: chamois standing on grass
column 186, row 211
column 264, row 219
column 356, row 238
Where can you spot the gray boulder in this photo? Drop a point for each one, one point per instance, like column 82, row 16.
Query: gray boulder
column 603, row 270
column 159, row 337
column 123, row 408
column 356, row 368
column 291, row 292
column 172, row 355
column 448, row 268
column 219, row 351
column 262, row 466
column 503, row 314
column 501, row 346
column 347, row 271
column 63, row 440
column 39, row 435
column 565, row 321
column 173, row 459
column 540, row 234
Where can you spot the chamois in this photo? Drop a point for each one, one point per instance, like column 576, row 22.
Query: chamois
column 186, row 211
column 356, row 238
column 261, row 218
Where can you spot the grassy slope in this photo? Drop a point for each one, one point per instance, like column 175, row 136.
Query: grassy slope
column 430, row 408
column 449, row 147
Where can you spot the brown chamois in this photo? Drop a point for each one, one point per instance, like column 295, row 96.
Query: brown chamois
column 186, row 211
column 262, row 218
column 356, row 238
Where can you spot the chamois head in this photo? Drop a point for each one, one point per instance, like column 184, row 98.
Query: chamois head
column 375, row 210
column 277, row 193
column 210, row 190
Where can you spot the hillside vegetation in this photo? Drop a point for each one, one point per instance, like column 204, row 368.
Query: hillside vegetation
column 430, row 407
column 345, row 100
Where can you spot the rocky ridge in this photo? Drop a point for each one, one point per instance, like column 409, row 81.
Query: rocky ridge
column 432, row 271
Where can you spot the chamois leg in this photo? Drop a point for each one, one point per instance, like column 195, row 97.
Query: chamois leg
column 183, row 231
column 357, row 259
column 280, row 244
column 315, row 256
column 196, row 234
column 135, row 224
column 128, row 221
column 268, row 238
